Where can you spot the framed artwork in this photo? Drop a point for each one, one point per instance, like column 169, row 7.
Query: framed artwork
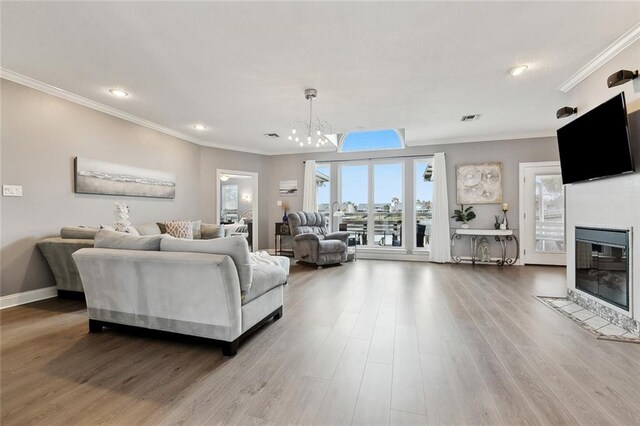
column 230, row 197
column 288, row 188
column 479, row 183
column 101, row 177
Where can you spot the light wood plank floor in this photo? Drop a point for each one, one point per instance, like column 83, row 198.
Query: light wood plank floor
column 369, row 342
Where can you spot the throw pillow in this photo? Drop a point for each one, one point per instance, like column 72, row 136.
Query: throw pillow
column 123, row 241
column 78, row 233
column 210, row 231
column 163, row 227
column 180, row 229
column 131, row 231
column 197, row 226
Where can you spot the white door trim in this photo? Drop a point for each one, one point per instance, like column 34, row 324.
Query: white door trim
column 254, row 201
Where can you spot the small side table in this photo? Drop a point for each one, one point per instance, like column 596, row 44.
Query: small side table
column 282, row 230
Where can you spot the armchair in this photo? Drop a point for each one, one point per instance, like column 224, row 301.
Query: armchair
column 311, row 241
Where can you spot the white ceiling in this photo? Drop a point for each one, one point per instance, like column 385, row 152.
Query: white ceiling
column 241, row 68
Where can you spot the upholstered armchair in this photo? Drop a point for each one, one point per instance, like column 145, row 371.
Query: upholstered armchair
column 311, row 241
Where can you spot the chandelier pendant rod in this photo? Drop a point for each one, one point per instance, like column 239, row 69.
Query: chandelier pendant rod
column 310, row 119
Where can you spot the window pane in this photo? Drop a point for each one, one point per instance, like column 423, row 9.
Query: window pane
column 424, row 197
column 323, row 191
column 387, row 194
column 549, row 213
column 354, row 192
column 371, row 141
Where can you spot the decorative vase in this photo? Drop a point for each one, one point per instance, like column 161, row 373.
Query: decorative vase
column 503, row 226
column 497, row 224
column 285, row 218
column 464, row 226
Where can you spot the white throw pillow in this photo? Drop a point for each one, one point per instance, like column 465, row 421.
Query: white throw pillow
column 180, row 229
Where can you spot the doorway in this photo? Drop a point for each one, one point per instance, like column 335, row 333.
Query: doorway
column 542, row 214
column 237, row 204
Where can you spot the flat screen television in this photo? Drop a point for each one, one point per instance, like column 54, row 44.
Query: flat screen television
column 596, row 144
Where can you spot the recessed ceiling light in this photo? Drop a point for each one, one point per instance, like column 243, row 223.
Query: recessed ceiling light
column 518, row 69
column 200, row 127
column 119, row 93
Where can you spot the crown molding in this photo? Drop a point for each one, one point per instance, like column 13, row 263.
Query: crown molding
column 624, row 41
column 80, row 100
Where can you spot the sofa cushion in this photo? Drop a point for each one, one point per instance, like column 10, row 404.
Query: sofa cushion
column 78, row 232
column 148, row 229
column 122, row 241
column 210, row 231
column 235, row 247
column 331, row 246
column 180, row 229
column 265, row 277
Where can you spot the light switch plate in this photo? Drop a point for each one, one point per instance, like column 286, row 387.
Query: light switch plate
column 12, row 190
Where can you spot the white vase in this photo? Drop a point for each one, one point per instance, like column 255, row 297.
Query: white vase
column 464, row 226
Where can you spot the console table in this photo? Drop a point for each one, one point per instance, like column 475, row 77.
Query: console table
column 503, row 236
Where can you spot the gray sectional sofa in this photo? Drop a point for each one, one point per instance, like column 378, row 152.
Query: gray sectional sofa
column 214, row 289
column 58, row 250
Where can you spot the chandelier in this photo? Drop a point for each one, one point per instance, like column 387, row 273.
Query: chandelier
column 314, row 131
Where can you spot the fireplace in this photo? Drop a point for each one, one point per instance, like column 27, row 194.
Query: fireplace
column 602, row 264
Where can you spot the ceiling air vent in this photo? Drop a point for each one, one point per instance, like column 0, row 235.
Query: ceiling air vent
column 272, row 135
column 472, row 117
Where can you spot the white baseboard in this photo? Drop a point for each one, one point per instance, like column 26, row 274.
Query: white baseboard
column 28, row 297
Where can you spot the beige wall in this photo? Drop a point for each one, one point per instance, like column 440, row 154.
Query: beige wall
column 510, row 152
column 41, row 134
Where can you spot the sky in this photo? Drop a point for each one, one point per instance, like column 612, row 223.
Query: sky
column 387, row 183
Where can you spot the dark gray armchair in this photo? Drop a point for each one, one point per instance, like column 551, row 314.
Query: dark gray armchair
column 312, row 243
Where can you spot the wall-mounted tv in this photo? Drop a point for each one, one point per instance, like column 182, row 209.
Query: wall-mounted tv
column 596, row 144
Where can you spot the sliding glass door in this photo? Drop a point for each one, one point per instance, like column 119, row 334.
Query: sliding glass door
column 372, row 196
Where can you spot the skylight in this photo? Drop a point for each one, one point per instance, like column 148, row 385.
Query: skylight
column 372, row 140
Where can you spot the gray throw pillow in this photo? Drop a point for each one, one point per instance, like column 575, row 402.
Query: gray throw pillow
column 122, row 241
column 149, row 229
column 210, row 231
column 78, row 233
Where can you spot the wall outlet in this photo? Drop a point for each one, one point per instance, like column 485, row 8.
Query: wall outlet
column 12, row 190
column 279, row 203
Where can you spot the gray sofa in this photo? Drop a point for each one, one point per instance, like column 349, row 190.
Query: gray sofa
column 58, row 250
column 312, row 243
column 213, row 289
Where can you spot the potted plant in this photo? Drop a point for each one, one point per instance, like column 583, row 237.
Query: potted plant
column 464, row 215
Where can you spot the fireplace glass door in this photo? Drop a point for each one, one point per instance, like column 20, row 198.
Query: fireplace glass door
column 602, row 265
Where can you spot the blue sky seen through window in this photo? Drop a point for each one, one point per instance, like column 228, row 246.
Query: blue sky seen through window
column 424, row 190
column 371, row 141
column 323, row 193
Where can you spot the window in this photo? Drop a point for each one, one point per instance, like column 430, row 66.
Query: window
column 354, row 191
column 423, row 188
column 372, row 202
column 323, row 191
column 372, row 140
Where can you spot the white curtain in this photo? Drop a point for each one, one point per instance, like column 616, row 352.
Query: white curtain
column 309, row 202
column 440, row 237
